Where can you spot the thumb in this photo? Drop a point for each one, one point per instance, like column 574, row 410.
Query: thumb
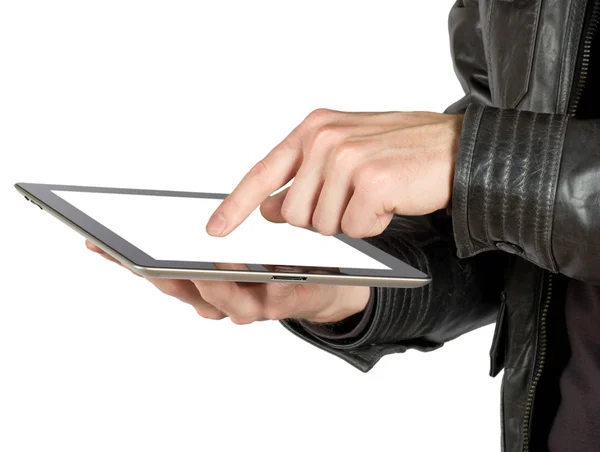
column 271, row 207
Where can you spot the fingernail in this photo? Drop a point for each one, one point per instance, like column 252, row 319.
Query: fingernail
column 216, row 224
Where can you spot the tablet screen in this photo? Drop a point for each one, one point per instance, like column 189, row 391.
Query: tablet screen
column 171, row 228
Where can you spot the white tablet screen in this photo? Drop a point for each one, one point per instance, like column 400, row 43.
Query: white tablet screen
column 173, row 229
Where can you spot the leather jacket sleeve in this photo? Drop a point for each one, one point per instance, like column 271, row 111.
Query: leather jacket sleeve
column 470, row 64
column 529, row 184
column 461, row 297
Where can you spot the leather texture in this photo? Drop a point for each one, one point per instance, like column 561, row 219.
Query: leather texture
column 423, row 318
column 576, row 234
column 526, row 205
column 505, row 181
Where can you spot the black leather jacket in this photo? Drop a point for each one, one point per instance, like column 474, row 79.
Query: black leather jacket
column 525, row 216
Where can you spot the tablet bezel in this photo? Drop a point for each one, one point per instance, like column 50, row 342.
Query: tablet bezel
column 399, row 275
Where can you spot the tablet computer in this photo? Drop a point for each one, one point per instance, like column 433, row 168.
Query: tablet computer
column 161, row 234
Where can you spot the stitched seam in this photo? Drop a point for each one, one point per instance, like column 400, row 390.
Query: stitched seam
column 408, row 319
column 533, row 44
column 524, row 175
column 488, row 176
column 405, row 301
column 402, row 305
column 532, row 47
column 568, row 39
column 507, row 178
column 383, row 322
column 379, row 352
column 379, row 329
column 555, row 165
column 564, row 50
column 465, row 180
column 383, row 319
column 414, row 323
column 423, row 291
column 372, row 330
column 538, row 208
column 488, row 53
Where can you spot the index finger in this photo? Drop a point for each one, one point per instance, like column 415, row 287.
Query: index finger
column 269, row 174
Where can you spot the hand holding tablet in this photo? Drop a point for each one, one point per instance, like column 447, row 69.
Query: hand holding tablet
column 351, row 173
column 159, row 235
column 248, row 303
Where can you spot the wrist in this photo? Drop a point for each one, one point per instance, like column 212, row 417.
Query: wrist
column 350, row 300
column 456, row 124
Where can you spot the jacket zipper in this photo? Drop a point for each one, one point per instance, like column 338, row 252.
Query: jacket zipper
column 549, row 280
column 548, row 284
column 585, row 58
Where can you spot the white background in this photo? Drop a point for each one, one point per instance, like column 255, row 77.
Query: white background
column 187, row 95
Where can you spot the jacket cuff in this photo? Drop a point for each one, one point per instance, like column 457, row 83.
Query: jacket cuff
column 376, row 340
column 505, row 183
column 422, row 318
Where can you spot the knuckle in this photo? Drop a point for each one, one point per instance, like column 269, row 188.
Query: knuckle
column 286, row 214
column 259, row 170
column 349, row 229
column 370, row 179
column 344, row 158
column 317, row 117
column 318, row 222
column 230, row 204
column 217, row 316
column 210, row 294
column 172, row 288
column 241, row 320
column 296, row 220
column 293, row 216
column 321, row 225
column 209, row 313
column 322, row 140
column 327, row 134
column 245, row 312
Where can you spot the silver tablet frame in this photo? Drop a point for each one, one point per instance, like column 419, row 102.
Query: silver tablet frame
column 401, row 274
